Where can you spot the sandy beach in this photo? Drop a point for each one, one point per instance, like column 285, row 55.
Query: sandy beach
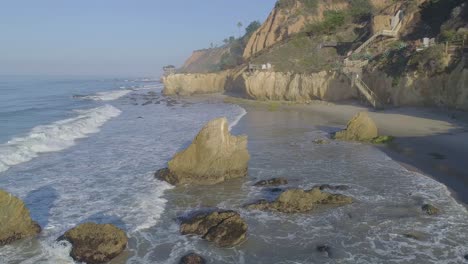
column 427, row 140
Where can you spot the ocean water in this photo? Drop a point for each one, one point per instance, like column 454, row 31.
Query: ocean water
column 86, row 150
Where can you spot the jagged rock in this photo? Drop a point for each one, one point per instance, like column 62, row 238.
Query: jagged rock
column 224, row 228
column 95, row 243
column 298, row 200
column 333, row 187
column 15, row 220
column 192, row 258
column 430, row 209
column 360, row 128
column 272, row 182
column 213, row 157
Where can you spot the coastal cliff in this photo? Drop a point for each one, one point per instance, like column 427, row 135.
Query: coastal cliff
column 443, row 90
column 286, row 19
column 328, row 86
column 204, row 61
column 196, row 83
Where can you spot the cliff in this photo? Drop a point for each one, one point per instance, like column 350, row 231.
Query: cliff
column 416, row 89
column 328, row 86
column 204, row 61
column 287, row 18
column 196, row 83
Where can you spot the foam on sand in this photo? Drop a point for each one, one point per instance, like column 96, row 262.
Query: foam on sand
column 54, row 137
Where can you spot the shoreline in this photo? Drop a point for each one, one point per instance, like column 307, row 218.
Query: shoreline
column 424, row 143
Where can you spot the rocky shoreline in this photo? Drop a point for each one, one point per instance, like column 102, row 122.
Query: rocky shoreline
column 228, row 228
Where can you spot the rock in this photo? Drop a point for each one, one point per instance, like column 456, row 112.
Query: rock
column 416, row 235
column 333, row 187
column 360, row 128
column 224, row 228
column 272, row 182
column 192, row 258
column 95, row 243
column 430, row 209
column 298, row 200
column 324, row 249
column 213, row 157
column 320, row 142
column 466, row 256
column 15, row 220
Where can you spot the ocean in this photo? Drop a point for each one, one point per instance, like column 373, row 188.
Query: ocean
column 85, row 149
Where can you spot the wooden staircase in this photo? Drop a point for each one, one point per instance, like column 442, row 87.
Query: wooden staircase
column 353, row 68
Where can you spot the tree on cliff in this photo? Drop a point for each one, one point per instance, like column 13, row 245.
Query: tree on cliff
column 239, row 25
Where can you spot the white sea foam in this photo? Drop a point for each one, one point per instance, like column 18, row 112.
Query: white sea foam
column 237, row 119
column 107, row 96
column 54, row 137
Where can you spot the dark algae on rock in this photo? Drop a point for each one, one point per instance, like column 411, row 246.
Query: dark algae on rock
column 224, row 228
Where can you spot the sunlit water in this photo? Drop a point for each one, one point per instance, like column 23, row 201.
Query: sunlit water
column 91, row 158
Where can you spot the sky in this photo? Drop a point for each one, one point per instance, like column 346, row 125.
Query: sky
column 114, row 37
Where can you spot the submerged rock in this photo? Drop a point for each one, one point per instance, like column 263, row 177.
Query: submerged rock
column 360, row 128
column 333, row 187
column 321, row 141
column 298, row 200
column 192, row 258
column 416, row 235
column 15, row 220
column 272, row 182
column 224, row 228
column 324, row 249
column 213, row 157
column 95, row 243
column 430, row 209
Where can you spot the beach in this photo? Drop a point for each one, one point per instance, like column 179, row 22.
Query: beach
column 107, row 176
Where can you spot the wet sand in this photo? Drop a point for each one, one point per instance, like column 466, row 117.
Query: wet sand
column 431, row 141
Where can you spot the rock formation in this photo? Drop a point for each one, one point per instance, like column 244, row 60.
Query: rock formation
column 224, row 228
column 95, row 243
column 213, row 157
column 189, row 84
column 298, row 201
column 272, row 182
column 15, row 220
column 192, row 258
column 360, row 128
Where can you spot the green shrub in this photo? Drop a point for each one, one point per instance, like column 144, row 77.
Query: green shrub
column 332, row 20
column 360, row 10
column 430, row 60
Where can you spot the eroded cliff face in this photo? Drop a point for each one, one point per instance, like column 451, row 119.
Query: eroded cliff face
column 444, row 90
column 282, row 22
column 327, row 86
column 275, row 86
column 189, row 84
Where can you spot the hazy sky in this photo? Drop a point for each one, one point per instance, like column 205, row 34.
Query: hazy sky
column 114, row 37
